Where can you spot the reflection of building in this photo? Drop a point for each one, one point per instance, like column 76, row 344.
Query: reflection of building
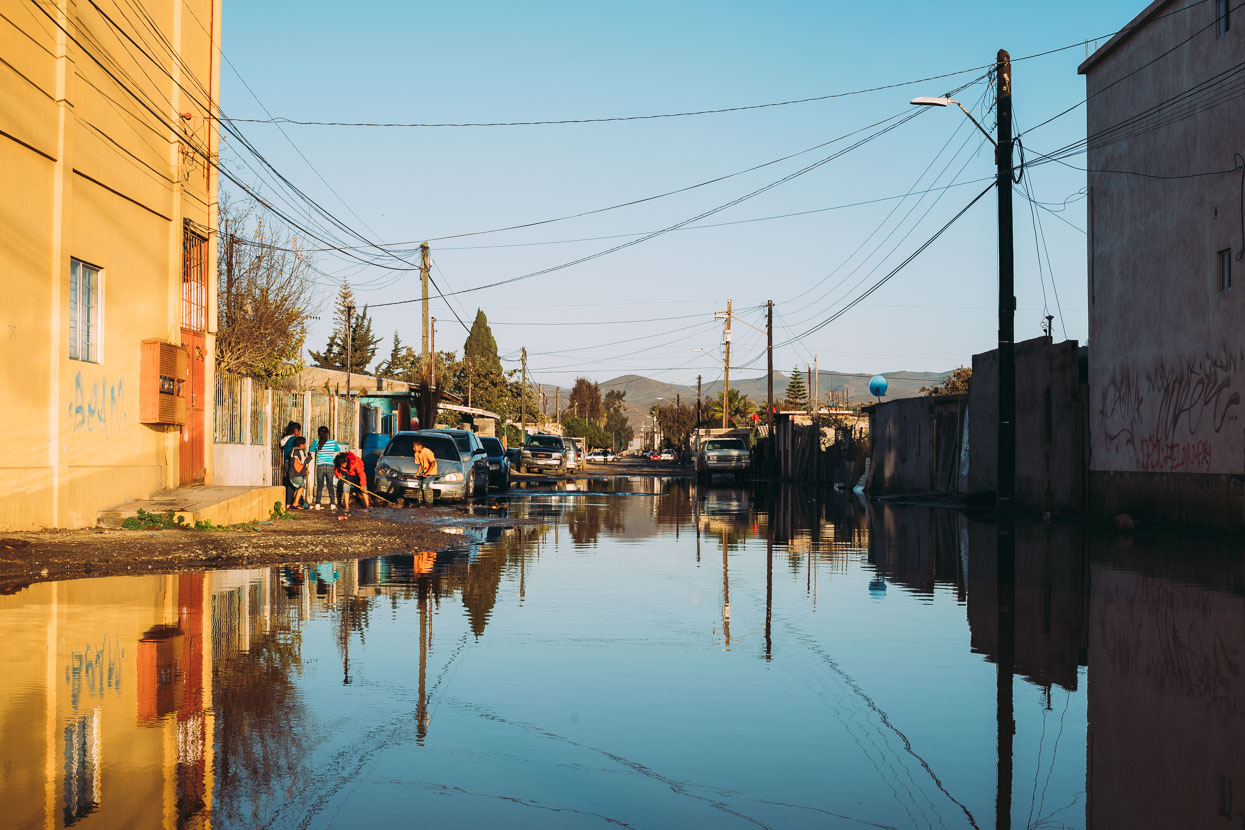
column 1166, row 702
column 1050, row 595
column 112, row 717
column 916, row 547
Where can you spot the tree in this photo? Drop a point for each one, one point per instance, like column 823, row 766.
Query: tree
column 955, row 383
column 617, row 425
column 585, row 399
column 740, row 407
column 266, row 297
column 676, row 422
column 591, row 432
column 363, row 343
column 480, row 349
column 797, row 392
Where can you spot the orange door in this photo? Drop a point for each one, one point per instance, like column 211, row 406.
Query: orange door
column 192, row 468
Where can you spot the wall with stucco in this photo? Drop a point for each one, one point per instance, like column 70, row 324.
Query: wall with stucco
column 1167, row 356
column 89, row 174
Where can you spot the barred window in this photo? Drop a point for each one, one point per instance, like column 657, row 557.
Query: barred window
column 84, row 307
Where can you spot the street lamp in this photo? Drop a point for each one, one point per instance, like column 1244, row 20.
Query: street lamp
column 1006, row 486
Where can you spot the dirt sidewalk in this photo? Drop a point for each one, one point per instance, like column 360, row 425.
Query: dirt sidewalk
column 41, row 556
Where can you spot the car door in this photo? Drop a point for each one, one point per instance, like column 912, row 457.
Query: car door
column 479, row 457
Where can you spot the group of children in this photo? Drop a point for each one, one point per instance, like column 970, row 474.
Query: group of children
column 332, row 461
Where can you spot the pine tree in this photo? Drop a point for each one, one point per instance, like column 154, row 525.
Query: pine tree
column 480, row 349
column 363, row 342
column 392, row 364
column 797, row 392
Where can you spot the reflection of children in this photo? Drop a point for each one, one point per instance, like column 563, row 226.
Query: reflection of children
column 349, row 470
column 296, row 473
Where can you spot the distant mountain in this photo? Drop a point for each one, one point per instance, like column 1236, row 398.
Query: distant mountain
column 643, row 392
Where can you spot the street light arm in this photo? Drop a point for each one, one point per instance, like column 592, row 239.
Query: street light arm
column 924, row 101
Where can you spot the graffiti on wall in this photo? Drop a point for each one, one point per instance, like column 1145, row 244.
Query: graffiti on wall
column 1166, row 418
column 102, row 409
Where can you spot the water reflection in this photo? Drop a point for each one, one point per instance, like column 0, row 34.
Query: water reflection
column 898, row 667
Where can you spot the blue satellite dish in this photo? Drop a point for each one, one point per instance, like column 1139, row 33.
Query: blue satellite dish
column 877, row 386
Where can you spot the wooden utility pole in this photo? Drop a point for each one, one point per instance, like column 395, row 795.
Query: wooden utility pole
column 1006, row 488
column 698, row 401
column 432, row 340
column 769, row 362
column 424, row 266
column 349, row 345
column 557, row 404
column 726, row 384
column 229, row 281
column 523, row 400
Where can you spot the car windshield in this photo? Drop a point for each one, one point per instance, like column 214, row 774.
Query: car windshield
column 545, row 442
column 442, row 446
column 462, row 439
column 724, row 444
column 493, row 446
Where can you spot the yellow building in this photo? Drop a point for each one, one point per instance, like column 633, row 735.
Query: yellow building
column 109, row 194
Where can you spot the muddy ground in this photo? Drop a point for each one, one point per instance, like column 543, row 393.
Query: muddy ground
column 46, row 555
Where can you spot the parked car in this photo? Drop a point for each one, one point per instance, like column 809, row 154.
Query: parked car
column 543, row 452
column 374, row 444
column 601, row 457
column 397, row 474
column 571, row 449
column 654, row 455
column 667, row 455
column 474, row 458
column 722, row 455
column 498, row 464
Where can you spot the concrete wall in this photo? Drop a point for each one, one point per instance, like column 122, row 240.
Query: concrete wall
column 89, row 174
column 239, row 465
column 916, row 444
column 1050, row 425
column 1168, row 346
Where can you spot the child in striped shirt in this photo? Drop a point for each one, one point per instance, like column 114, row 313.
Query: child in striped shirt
column 325, row 450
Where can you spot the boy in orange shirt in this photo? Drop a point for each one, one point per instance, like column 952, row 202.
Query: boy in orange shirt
column 427, row 470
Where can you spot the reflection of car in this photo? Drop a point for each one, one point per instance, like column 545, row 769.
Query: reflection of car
column 543, row 452
column 474, row 458
column 498, row 464
column 601, row 457
column 373, row 445
column 722, row 455
column 667, row 455
column 397, row 474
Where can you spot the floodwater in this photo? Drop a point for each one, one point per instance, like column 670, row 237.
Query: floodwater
column 655, row 655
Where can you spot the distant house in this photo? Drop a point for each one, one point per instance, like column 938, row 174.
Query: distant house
column 107, row 254
column 1166, row 265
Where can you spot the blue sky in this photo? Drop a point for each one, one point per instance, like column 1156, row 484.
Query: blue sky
column 502, row 61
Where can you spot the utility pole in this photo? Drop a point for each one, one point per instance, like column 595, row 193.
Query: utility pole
column 523, row 400
column 808, row 370
column 1006, row 488
column 349, row 345
column 432, row 340
column 424, row 265
column 698, row 401
column 769, row 375
column 557, row 403
column 726, row 384
column 229, row 280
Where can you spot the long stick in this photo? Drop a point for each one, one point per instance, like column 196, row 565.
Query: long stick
column 364, row 490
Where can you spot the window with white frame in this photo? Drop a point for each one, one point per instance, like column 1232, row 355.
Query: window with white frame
column 85, row 290
column 1225, row 270
column 1223, row 8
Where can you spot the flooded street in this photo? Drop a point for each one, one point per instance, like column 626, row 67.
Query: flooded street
column 657, row 654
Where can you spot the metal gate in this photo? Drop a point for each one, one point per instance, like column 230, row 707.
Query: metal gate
column 192, row 465
column 286, row 407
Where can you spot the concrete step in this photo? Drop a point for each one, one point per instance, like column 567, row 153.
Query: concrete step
column 218, row 505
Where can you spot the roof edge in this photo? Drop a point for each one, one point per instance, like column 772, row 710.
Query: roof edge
column 1122, row 35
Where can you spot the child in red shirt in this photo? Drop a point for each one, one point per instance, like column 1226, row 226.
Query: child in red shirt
column 348, row 470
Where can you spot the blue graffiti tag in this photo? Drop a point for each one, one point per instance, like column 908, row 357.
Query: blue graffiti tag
column 105, row 405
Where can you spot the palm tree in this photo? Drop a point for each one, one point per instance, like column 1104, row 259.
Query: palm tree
column 740, row 407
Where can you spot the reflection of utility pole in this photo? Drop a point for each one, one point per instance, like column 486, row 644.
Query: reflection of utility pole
column 726, row 594
column 421, row 706
column 1006, row 663
column 769, row 590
